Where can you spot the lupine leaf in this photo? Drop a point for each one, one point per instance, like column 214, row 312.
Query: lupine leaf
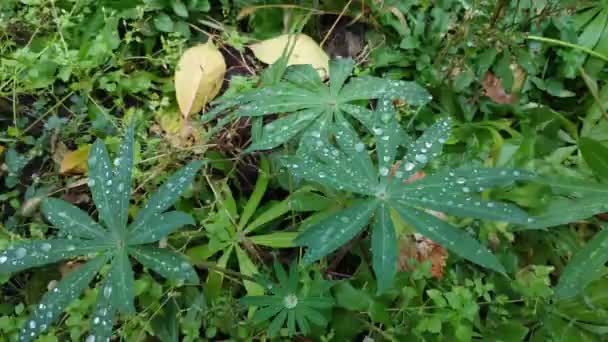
column 586, row 266
column 168, row 264
column 123, row 170
column 161, row 227
column 387, row 136
column 302, row 91
column 369, row 87
column 102, row 319
column 283, row 129
column 248, row 268
column 452, row 238
column 334, row 231
column 384, row 249
column 120, row 287
column 166, row 195
column 56, row 300
column 34, row 253
column 101, row 185
column 261, row 184
column 71, row 220
column 472, row 178
column 339, row 72
column 465, row 205
column 425, row 148
column 277, row 323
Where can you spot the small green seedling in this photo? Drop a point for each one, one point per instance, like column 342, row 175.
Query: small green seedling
column 347, row 166
column 112, row 240
column 288, row 302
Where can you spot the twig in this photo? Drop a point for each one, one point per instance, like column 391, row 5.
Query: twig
column 569, row 45
column 333, row 26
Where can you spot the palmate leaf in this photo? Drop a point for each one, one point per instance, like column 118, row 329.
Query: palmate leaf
column 71, row 220
column 55, row 301
column 346, row 165
column 111, row 189
column 165, row 196
column 311, row 105
column 36, row 253
column 168, row 264
column 120, row 287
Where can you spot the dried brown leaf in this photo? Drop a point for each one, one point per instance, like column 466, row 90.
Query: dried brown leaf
column 493, row 89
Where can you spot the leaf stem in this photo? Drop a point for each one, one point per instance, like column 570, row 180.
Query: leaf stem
column 213, row 267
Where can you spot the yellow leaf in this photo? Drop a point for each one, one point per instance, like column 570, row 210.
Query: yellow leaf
column 75, row 161
column 198, row 78
column 1, row 150
column 306, row 51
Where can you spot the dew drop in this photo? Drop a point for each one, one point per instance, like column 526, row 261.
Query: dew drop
column 359, row 147
column 491, row 205
column 421, row 158
column 32, row 325
column 461, row 180
column 383, row 171
column 20, row 253
column 107, row 291
column 409, row 166
column 90, row 338
column 46, row 247
column 377, row 130
column 3, row 259
column 466, row 189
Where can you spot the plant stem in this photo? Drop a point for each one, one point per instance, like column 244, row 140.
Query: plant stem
column 569, row 45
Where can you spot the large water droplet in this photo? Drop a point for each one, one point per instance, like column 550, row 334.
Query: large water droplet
column 409, row 166
column 377, row 130
column 422, row 158
column 107, row 291
column 359, row 147
column 32, row 325
column 20, row 253
column 3, row 259
column 90, row 338
column 461, row 180
column 46, row 247
column 383, row 171
column 466, row 189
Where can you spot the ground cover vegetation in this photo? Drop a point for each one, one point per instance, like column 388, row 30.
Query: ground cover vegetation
column 398, row 170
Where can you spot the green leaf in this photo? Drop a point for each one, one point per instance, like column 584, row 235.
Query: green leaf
column 595, row 155
column 164, row 225
column 100, row 183
column 428, row 146
column 369, row 87
column 586, row 266
column 273, row 212
column 123, row 170
column 56, row 300
column 277, row 323
column 313, row 103
column 384, row 249
column 33, row 253
column 472, row 178
column 334, row 231
column 120, row 288
column 284, row 129
column 452, row 238
column 166, row 195
column 179, row 8
column 387, row 136
column 464, row 205
column 168, row 264
column 248, row 268
column 261, row 185
column 71, row 220
column 275, row 240
column 163, row 23
column 102, row 318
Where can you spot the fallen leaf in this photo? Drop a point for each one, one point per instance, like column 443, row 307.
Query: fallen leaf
column 305, row 51
column 179, row 132
column 199, row 77
column 421, row 249
column 75, row 162
column 1, row 150
column 493, row 89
